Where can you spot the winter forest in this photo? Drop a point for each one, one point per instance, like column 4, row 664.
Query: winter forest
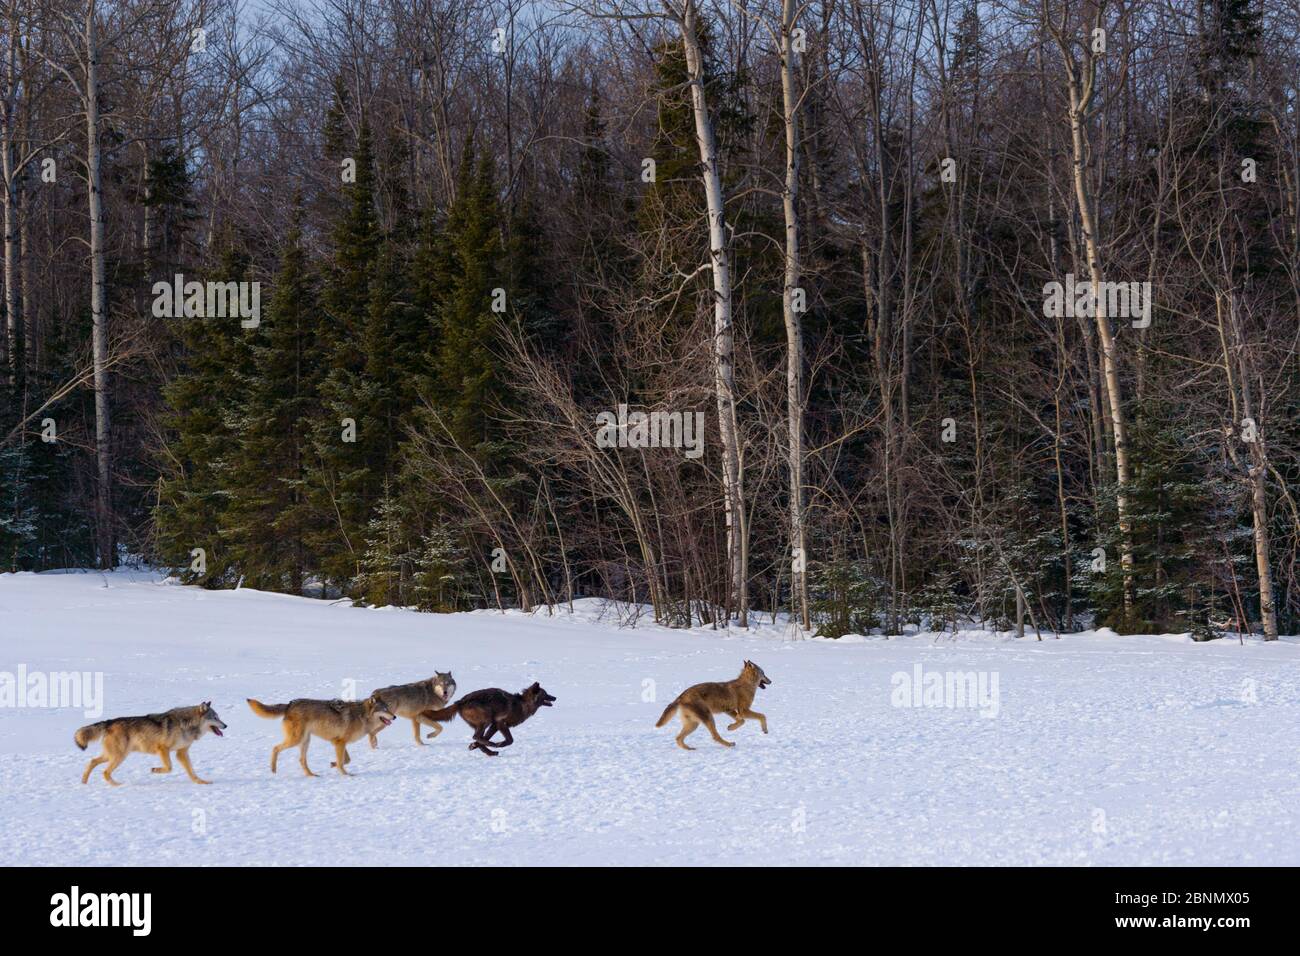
column 866, row 312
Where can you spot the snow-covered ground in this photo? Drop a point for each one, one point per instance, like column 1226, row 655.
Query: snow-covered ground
column 1092, row 749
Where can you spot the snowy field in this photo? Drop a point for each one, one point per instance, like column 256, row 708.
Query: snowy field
column 1088, row 750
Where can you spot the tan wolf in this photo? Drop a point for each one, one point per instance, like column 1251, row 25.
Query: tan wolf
column 152, row 734
column 339, row 721
column 408, row 700
column 699, row 703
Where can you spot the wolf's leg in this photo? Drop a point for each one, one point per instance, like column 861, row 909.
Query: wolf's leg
column 166, row 756
column 480, row 739
column 509, row 739
column 437, row 729
column 340, row 757
column 374, row 742
column 713, row 729
column 292, row 737
column 761, row 718
column 347, row 757
column 689, row 723
column 415, row 729
column 486, row 735
column 302, row 754
column 95, row 762
column 183, row 755
column 114, row 762
column 738, row 717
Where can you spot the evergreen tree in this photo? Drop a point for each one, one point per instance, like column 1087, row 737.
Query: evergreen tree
column 386, row 564
column 202, row 406
column 468, row 380
column 340, row 476
column 269, row 520
column 1186, row 528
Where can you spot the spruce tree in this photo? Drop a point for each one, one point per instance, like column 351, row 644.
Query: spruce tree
column 269, row 520
column 339, row 475
column 202, row 411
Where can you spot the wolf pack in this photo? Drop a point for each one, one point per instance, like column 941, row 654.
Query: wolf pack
column 424, row 703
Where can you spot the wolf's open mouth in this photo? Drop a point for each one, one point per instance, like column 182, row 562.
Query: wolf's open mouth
column 217, row 732
column 385, row 721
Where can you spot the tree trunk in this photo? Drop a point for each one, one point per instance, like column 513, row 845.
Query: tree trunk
column 98, row 304
column 1256, row 470
column 793, row 322
column 723, row 335
column 1081, row 89
column 9, row 352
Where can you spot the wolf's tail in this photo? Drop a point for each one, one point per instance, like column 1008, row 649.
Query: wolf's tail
column 447, row 713
column 267, row 710
column 90, row 732
column 668, row 712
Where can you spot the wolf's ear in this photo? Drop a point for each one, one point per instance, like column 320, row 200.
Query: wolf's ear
column 207, row 704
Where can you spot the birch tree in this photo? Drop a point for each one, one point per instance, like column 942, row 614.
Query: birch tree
column 1080, row 59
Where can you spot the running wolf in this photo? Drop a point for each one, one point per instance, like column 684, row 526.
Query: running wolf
column 152, row 734
column 699, row 703
column 408, row 700
column 339, row 721
column 488, row 711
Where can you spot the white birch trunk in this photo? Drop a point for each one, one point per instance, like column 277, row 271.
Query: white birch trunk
column 793, row 321
column 723, row 334
column 98, row 302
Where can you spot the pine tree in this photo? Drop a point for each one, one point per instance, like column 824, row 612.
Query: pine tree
column 468, row 379
column 339, row 475
column 1186, row 528
column 192, row 496
column 269, row 519
column 386, row 564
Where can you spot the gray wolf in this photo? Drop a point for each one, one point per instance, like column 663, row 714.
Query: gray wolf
column 157, row 734
column 408, row 700
column 339, row 721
